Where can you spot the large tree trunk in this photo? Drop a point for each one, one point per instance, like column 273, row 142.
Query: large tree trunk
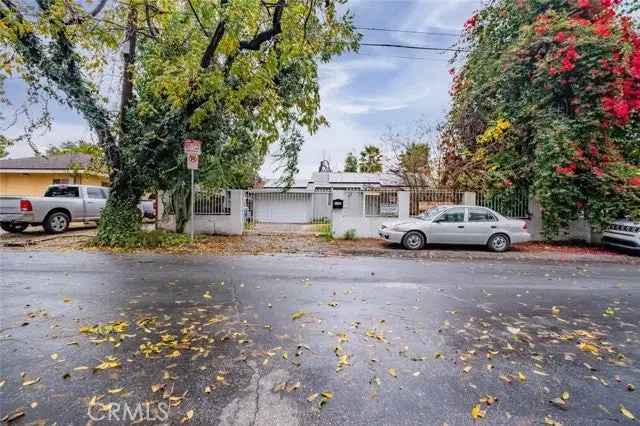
column 120, row 220
column 181, row 203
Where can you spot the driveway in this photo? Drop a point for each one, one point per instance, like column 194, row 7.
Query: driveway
column 265, row 340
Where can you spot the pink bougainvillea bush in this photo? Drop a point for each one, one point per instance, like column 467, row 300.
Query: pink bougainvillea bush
column 548, row 99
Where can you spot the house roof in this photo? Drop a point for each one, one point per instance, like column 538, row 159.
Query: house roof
column 53, row 162
column 320, row 179
column 275, row 183
column 345, row 178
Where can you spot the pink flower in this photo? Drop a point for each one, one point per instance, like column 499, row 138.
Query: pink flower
column 584, row 4
column 597, row 171
column 560, row 37
column 471, row 22
column 621, row 110
column 567, row 65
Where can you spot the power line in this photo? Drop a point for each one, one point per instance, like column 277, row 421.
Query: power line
column 404, row 46
column 414, row 58
column 408, row 31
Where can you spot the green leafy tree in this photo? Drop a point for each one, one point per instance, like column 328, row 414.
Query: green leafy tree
column 98, row 161
column 5, row 143
column 548, row 99
column 370, row 159
column 230, row 73
column 351, row 163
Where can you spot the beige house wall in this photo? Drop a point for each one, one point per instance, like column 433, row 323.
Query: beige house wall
column 34, row 184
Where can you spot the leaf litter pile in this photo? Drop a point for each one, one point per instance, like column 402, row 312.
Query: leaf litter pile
column 498, row 357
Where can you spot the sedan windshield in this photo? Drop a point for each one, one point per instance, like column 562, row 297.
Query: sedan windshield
column 431, row 213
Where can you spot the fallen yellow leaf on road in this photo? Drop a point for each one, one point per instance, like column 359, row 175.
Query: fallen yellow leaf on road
column 31, row 382
column 476, row 412
column 110, row 361
column 588, row 347
column 297, row 315
column 188, row 416
column 393, row 372
column 628, row 414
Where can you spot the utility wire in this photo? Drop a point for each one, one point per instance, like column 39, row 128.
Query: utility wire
column 408, row 31
column 404, row 46
column 414, row 58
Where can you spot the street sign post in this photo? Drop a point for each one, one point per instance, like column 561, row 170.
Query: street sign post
column 192, row 148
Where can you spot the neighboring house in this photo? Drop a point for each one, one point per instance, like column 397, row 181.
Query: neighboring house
column 31, row 176
column 310, row 199
column 324, row 181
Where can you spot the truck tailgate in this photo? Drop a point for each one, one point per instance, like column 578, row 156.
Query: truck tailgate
column 9, row 205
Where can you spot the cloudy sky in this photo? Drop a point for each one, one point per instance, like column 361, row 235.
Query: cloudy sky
column 361, row 93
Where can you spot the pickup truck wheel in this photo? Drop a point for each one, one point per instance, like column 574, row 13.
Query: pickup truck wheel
column 14, row 228
column 56, row 223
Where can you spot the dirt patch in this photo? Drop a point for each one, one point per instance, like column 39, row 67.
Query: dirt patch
column 315, row 245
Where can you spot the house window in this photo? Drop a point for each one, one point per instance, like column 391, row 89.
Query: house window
column 65, row 181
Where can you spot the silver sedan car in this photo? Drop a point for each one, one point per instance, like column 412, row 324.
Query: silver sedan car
column 471, row 225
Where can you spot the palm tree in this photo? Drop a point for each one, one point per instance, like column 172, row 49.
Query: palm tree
column 370, row 159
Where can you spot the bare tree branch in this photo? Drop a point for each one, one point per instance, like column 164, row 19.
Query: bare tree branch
column 207, row 57
column 264, row 36
column 98, row 8
column 202, row 27
column 312, row 5
column 152, row 30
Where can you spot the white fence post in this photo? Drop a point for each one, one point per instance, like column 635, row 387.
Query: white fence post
column 237, row 223
column 469, row 199
column 404, row 200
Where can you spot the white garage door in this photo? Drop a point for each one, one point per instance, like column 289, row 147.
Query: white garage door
column 282, row 208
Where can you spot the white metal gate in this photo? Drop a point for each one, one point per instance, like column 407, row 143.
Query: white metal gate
column 294, row 211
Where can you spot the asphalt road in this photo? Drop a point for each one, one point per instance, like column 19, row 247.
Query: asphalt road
column 393, row 341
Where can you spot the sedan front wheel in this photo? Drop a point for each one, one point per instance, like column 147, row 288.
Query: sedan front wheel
column 413, row 240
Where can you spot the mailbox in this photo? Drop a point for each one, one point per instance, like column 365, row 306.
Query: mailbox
column 338, row 204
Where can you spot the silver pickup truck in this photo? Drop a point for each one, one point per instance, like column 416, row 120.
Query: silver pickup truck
column 60, row 205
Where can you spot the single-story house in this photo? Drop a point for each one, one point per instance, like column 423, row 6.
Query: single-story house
column 309, row 200
column 31, row 176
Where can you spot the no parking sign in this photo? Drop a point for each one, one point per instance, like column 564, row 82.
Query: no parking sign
column 192, row 148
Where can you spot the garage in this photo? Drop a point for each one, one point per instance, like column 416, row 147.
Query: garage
column 278, row 207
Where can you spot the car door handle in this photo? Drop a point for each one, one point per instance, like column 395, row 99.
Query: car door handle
column 493, row 227
column 460, row 226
